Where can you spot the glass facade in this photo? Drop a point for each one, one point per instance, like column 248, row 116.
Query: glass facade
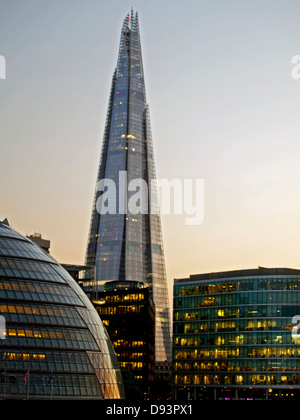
column 234, row 330
column 52, row 330
column 126, row 246
column 128, row 312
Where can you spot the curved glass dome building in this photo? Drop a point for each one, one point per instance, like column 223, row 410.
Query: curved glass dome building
column 53, row 344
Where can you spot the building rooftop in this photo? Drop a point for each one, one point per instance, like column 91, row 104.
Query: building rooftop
column 252, row 272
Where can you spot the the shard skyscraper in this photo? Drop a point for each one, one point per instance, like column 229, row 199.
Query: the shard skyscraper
column 126, row 246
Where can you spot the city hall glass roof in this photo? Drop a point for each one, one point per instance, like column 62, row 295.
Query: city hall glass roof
column 54, row 344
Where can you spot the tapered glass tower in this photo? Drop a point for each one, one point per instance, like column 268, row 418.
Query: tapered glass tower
column 124, row 246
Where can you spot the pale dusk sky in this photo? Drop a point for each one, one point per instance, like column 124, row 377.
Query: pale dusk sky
column 224, row 108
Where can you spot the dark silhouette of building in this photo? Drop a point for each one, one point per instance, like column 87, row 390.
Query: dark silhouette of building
column 128, row 312
column 40, row 241
column 83, row 275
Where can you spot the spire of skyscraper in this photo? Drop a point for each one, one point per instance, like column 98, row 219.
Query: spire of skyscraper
column 126, row 246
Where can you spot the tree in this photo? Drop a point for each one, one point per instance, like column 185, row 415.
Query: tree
column 132, row 389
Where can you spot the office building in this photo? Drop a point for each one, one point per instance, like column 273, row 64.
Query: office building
column 128, row 312
column 234, row 335
column 83, row 275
